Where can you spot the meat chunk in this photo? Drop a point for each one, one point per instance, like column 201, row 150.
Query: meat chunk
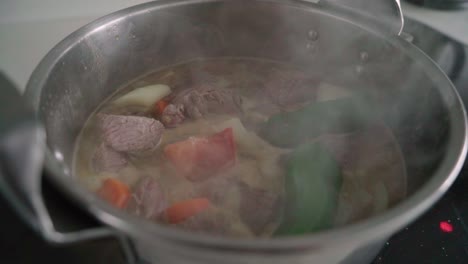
column 148, row 199
column 107, row 159
column 374, row 176
column 205, row 99
column 288, row 89
column 258, row 207
column 283, row 90
column 172, row 115
column 135, row 135
column 373, row 155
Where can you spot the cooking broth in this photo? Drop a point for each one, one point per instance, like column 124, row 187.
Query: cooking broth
column 242, row 148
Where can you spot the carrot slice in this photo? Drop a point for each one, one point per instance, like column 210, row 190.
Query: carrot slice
column 180, row 211
column 114, row 192
column 159, row 107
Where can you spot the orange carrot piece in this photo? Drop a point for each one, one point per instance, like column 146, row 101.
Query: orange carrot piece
column 160, row 106
column 180, row 211
column 114, row 192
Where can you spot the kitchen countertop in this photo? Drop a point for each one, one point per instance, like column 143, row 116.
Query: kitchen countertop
column 453, row 23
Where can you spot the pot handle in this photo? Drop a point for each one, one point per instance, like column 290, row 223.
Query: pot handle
column 385, row 14
column 22, row 143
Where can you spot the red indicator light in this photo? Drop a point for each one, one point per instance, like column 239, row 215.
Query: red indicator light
column 446, row 227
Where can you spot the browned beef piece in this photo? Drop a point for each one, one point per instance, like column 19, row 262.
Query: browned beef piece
column 107, row 159
column 287, row 89
column 131, row 134
column 366, row 158
column 205, row 99
column 283, row 90
column 173, row 115
column 258, row 207
column 148, row 199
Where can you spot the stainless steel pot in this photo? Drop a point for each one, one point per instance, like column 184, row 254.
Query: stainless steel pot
column 328, row 40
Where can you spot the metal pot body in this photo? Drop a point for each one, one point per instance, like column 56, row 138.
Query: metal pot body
column 427, row 116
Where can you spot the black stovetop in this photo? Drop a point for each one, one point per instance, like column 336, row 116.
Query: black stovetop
column 439, row 236
column 441, row 4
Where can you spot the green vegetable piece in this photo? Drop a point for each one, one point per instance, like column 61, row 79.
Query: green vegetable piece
column 313, row 181
column 289, row 129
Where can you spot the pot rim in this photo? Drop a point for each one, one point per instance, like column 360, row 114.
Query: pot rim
column 381, row 225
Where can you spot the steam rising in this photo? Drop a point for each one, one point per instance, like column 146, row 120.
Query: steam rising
column 335, row 51
column 329, row 50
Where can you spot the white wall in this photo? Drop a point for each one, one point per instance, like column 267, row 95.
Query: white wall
column 30, row 28
column 33, row 10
